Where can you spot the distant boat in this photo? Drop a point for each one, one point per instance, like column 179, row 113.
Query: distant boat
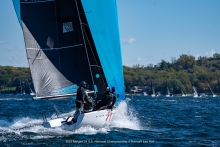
column 158, row 94
column 195, row 94
column 152, row 89
column 183, row 94
column 168, row 92
column 19, row 90
column 31, row 93
column 144, row 93
column 213, row 95
column 153, row 94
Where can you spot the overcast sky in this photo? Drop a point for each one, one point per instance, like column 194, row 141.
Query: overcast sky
column 150, row 30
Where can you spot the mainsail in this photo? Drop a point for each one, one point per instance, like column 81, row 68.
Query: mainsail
column 195, row 92
column 152, row 89
column 68, row 41
column 168, row 91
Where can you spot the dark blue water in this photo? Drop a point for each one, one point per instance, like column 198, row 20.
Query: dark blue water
column 139, row 121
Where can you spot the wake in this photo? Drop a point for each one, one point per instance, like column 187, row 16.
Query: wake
column 21, row 128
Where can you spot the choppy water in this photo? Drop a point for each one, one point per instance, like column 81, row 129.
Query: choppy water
column 139, row 121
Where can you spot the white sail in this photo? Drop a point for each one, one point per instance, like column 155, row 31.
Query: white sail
column 213, row 95
column 183, row 94
column 31, row 91
column 168, row 93
column 195, row 94
column 153, row 94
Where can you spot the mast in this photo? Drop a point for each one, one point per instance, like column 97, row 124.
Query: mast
column 168, row 91
column 84, row 43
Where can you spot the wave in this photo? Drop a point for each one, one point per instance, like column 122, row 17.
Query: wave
column 125, row 117
column 20, row 128
column 15, row 99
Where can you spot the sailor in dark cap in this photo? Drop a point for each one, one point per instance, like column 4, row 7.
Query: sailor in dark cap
column 105, row 100
column 80, row 99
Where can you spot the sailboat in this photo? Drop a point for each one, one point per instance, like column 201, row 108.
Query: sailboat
column 153, row 94
column 69, row 41
column 168, row 92
column 19, row 89
column 152, row 89
column 213, row 95
column 195, row 94
column 31, row 91
column 183, row 94
column 23, row 92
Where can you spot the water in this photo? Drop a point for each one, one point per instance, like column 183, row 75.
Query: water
column 139, row 121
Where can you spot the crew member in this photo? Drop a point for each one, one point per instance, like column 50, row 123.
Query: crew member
column 80, row 99
column 105, row 100
column 114, row 98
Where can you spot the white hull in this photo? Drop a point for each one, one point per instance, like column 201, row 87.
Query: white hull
column 144, row 94
column 169, row 95
column 153, row 95
column 32, row 93
column 195, row 96
column 54, row 122
column 94, row 119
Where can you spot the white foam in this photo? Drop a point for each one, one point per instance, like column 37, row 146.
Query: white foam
column 88, row 130
column 25, row 122
column 125, row 117
column 9, row 99
column 12, row 130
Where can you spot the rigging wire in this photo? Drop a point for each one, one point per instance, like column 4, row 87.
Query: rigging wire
column 55, row 6
column 93, row 53
column 84, row 43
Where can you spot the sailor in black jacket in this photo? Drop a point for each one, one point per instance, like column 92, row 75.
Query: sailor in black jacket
column 80, row 99
column 105, row 100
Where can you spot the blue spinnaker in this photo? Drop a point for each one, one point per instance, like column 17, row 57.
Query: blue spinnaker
column 17, row 9
column 102, row 17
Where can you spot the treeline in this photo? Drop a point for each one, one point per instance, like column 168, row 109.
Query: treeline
column 12, row 79
column 181, row 73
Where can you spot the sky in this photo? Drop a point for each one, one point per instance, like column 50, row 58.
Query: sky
column 150, row 31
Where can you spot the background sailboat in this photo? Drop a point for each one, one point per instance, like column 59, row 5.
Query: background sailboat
column 168, row 92
column 152, row 90
column 153, row 94
column 195, row 94
column 213, row 95
column 31, row 91
column 183, row 94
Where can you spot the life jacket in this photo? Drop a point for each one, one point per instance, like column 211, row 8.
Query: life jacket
column 107, row 99
column 80, row 93
column 88, row 103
